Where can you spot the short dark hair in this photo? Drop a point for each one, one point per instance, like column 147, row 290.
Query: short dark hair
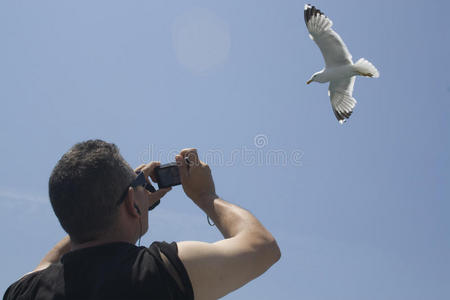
column 84, row 188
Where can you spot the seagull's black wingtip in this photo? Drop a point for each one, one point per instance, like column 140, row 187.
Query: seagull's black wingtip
column 342, row 116
column 310, row 11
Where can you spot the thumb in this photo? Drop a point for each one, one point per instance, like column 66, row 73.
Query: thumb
column 182, row 167
column 160, row 193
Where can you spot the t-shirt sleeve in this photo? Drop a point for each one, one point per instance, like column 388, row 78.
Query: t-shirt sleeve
column 175, row 267
column 21, row 286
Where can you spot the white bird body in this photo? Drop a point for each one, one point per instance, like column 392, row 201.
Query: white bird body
column 338, row 72
column 339, row 69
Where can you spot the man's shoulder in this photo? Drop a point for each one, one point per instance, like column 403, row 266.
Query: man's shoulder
column 20, row 285
column 27, row 284
column 157, row 268
column 162, row 245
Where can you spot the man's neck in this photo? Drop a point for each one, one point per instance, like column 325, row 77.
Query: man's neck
column 101, row 241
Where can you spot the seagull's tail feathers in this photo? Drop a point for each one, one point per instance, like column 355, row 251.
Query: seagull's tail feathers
column 316, row 21
column 365, row 68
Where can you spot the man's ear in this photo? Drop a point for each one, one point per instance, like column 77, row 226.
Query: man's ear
column 129, row 203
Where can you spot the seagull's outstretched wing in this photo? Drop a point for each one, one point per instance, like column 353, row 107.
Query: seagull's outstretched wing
column 330, row 43
column 342, row 101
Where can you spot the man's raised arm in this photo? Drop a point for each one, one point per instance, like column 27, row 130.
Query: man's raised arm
column 247, row 251
column 55, row 254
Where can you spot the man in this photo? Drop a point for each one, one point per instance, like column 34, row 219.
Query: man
column 103, row 205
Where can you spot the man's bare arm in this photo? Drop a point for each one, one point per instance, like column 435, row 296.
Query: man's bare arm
column 247, row 251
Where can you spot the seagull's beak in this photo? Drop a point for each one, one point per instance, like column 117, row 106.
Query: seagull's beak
column 309, row 81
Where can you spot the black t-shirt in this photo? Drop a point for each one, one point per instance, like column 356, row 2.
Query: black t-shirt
column 110, row 271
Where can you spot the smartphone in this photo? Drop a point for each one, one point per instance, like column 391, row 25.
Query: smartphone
column 167, row 175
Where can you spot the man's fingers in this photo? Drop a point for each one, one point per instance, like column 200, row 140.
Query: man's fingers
column 149, row 168
column 138, row 169
column 182, row 167
column 191, row 155
column 155, row 196
column 186, row 150
column 160, row 193
column 153, row 177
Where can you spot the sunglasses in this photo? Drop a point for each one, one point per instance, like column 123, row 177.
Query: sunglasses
column 139, row 181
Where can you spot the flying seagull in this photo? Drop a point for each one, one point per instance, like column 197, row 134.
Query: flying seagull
column 339, row 70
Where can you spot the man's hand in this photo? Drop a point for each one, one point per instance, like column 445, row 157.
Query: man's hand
column 149, row 171
column 196, row 178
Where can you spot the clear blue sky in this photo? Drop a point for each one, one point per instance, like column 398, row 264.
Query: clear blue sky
column 360, row 211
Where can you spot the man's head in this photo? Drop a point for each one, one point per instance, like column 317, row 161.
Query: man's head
column 85, row 186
